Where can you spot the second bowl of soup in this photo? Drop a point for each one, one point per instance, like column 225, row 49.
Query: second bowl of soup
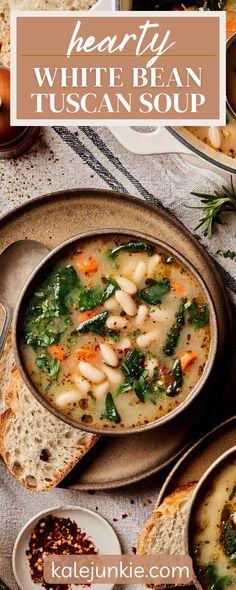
column 115, row 333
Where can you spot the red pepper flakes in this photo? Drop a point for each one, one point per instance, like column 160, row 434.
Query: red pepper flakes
column 125, row 515
column 60, row 536
column 115, row 519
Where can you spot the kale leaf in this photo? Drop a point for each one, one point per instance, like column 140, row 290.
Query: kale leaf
column 155, row 291
column 111, row 412
column 174, row 333
column 97, row 325
column 131, row 247
column 199, row 314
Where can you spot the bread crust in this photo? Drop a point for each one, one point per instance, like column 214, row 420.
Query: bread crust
column 172, row 504
column 9, row 418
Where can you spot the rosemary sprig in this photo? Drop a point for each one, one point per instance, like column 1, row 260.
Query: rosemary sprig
column 213, row 205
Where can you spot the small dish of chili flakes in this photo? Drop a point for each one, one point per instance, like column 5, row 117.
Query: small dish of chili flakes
column 66, row 530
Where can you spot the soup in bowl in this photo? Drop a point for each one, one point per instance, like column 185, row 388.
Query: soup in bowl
column 212, row 528
column 114, row 333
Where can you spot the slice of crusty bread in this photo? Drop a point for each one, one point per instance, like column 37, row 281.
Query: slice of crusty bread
column 6, row 51
column 7, row 5
column 51, row 4
column 38, row 449
column 4, row 19
column 164, row 532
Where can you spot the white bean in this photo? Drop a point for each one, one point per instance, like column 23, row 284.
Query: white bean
column 214, row 137
column 145, row 339
column 150, row 366
column 127, row 303
column 101, row 389
column 114, row 375
column 116, row 322
column 67, row 398
column 140, row 271
column 124, row 343
column 152, row 264
column 141, row 315
column 82, row 384
column 112, row 305
column 91, row 373
column 109, row 355
column 126, row 285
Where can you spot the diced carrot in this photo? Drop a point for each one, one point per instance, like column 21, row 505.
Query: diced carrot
column 86, row 315
column 57, row 352
column 177, row 287
column 86, row 353
column 88, row 265
column 186, row 359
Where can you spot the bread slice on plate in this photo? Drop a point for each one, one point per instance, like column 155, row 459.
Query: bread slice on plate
column 38, row 449
column 6, row 50
column 163, row 533
column 51, row 4
column 4, row 19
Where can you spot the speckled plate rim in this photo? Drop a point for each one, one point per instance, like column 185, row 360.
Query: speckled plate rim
column 214, row 432
column 154, row 209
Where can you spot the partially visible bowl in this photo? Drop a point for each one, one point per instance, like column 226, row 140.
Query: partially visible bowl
column 53, row 259
column 211, row 527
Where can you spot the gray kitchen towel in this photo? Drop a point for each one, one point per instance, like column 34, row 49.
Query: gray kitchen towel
column 66, row 158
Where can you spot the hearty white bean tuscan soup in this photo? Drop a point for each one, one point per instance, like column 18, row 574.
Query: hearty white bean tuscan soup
column 214, row 532
column 117, row 335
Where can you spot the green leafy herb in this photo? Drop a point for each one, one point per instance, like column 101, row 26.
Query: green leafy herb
column 227, row 254
column 199, row 314
column 215, row 582
column 49, row 366
column 131, row 247
column 142, row 386
column 174, row 333
column 97, row 325
column 155, row 291
column 123, row 388
column 90, row 298
column 228, row 531
column 111, row 412
column 66, row 279
column 133, row 365
column 174, row 387
column 213, row 205
column 136, row 376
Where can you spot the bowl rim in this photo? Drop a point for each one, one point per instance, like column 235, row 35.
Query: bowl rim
column 209, row 473
column 47, row 262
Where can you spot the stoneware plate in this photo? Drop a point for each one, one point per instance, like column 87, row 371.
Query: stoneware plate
column 57, row 217
column 196, row 461
column 96, row 527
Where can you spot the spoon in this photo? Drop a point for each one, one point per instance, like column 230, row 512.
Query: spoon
column 230, row 75
column 17, row 262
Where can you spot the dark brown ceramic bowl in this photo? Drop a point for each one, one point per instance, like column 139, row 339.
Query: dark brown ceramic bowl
column 203, row 486
column 47, row 264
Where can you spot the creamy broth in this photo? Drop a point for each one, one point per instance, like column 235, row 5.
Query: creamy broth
column 117, row 338
column 214, row 532
column 222, row 139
